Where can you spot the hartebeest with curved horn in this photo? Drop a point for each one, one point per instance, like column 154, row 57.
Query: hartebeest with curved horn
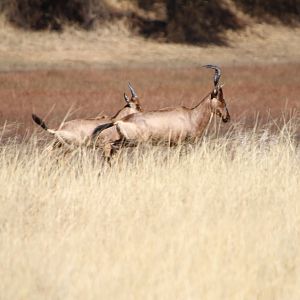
column 172, row 125
column 78, row 132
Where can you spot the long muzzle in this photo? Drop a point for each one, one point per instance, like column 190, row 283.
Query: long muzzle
column 226, row 118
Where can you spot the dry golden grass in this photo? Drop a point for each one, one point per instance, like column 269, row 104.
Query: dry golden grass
column 115, row 46
column 219, row 220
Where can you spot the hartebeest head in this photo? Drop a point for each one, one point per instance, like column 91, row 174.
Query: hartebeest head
column 132, row 106
column 218, row 104
column 134, row 101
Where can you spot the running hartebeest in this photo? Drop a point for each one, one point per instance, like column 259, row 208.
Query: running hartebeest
column 79, row 132
column 172, row 125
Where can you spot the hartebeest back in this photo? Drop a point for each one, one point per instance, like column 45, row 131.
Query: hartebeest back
column 78, row 132
column 172, row 125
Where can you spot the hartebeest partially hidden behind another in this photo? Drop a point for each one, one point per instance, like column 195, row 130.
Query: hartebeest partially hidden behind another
column 79, row 132
column 171, row 125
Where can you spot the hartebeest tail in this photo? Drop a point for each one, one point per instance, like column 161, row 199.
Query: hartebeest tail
column 102, row 127
column 41, row 123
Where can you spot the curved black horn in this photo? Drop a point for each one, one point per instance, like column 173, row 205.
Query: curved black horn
column 217, row 75
column 133, row 93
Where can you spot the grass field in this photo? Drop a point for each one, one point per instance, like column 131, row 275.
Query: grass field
column 219, row 220
column 215, row 220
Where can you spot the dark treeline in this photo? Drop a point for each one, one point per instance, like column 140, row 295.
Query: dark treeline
column 188, row 21
column 52, row 14
column 204, row 21
column 198, row 20
column 282, row 9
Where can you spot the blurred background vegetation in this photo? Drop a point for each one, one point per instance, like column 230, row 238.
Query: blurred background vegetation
column 181, row 21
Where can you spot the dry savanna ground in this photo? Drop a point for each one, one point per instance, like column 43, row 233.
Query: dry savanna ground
column 215, row 220
column 249, row 90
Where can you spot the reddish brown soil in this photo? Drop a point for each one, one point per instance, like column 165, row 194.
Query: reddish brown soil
column 248, row 90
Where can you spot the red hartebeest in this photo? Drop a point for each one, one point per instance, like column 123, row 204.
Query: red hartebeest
column 171, row 125
column 79, row 132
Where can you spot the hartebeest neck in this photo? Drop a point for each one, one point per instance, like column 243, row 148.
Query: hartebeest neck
column 201, row 114
column 127, row 110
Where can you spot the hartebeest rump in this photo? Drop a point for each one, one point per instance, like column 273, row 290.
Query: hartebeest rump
column 79, row 132
column 172, row 125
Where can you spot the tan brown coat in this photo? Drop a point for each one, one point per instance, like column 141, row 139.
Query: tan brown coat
column 78, row 132
column 170, row 125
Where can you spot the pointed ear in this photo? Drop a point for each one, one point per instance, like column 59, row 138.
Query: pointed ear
column 126, row 98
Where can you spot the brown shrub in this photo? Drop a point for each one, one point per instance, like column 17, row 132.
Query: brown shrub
column 150, row 4
column 42, row 14
column 145, row 4
column 285, row 10
column 202, row 21
column 199, row 21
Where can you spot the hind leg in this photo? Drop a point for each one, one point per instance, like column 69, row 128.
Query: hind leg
column 56, row 145
column 53, row 146
column 108, row 152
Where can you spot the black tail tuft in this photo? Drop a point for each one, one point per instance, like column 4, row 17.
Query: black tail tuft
column 102, row 127
column 39, row 121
